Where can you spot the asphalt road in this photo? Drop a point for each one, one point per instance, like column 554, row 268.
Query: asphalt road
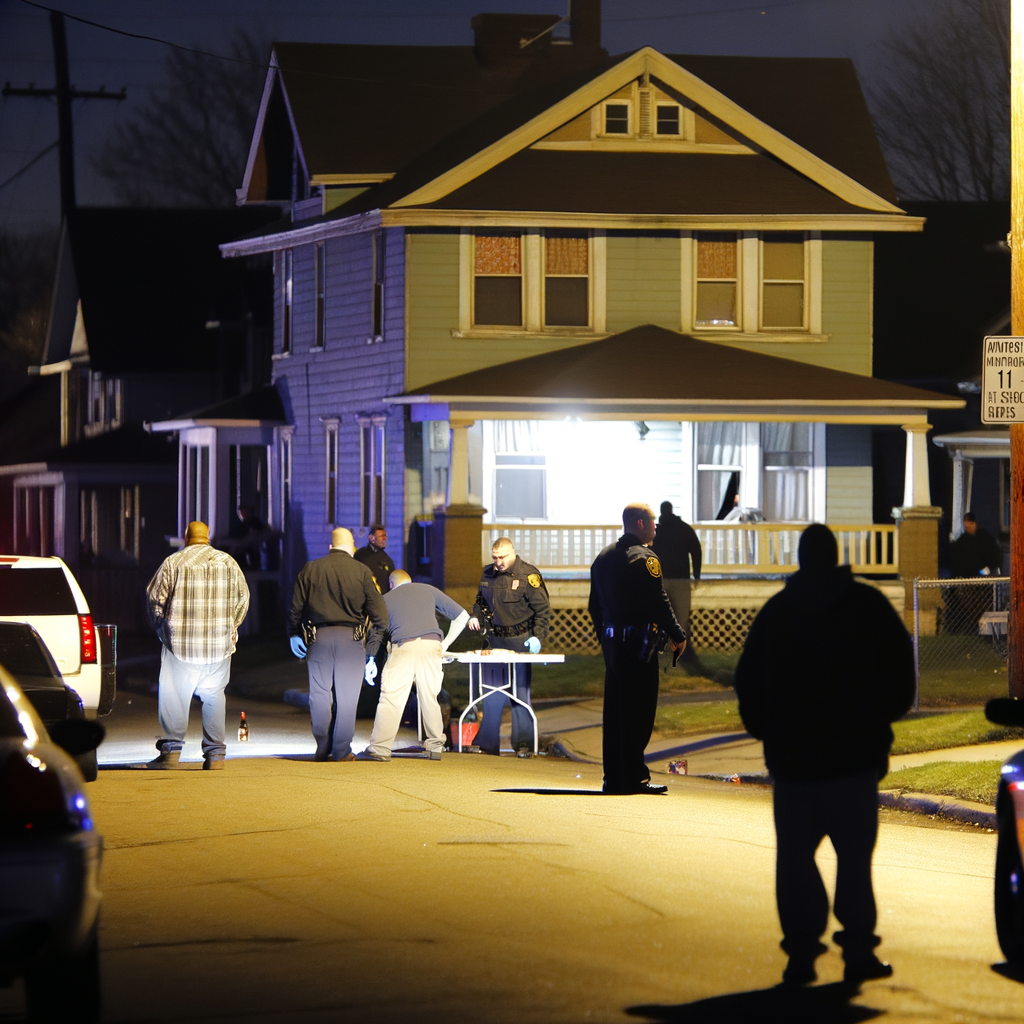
column 283, row 890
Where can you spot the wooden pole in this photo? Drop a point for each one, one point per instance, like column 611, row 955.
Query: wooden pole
column 64, row 124
column 1016, row 623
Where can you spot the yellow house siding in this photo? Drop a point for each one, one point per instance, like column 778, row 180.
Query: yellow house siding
column 848, row 494
column 643, row 281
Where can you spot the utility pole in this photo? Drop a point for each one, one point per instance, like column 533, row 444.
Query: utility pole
column 1016, row 623
column 64, row 94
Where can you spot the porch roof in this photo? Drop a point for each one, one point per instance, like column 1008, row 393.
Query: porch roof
column 977, row 444
column 261, row 407
column 650, row 372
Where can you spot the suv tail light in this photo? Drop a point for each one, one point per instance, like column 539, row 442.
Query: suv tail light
column 31, row 797
column 87, row 632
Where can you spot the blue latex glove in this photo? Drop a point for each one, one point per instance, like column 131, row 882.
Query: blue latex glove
column 371, row 672
column 298, row 647
column 532, row 645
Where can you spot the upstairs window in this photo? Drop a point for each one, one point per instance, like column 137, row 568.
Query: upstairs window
column 371, row 457
column 287, row 270
column 377, row 327
column 616, row 119
column 498, row 280
column 782, row 282
column 717, row 280
column 320, row 272
column 566, row 279
column 669, row 119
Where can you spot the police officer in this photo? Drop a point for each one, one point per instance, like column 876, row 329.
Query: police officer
column 335, row 594
column 375, row 558
column 629, row 606
column 513, row 603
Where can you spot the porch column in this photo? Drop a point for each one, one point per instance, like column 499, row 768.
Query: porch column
column 963, row 478
column 917, row 521
column 458, row 526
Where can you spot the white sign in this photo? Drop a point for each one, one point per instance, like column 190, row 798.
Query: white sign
column 1002, row 381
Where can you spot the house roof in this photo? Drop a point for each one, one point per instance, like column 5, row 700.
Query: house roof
column 150, row 280
column 30, row 422
column 653, row 368
column 127, row 445
column 260, row 406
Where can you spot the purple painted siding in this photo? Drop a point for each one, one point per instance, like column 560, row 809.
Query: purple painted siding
column 348, row 378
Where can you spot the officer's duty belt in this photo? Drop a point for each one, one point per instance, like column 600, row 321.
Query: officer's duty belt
column 324, row 625
column 521, row 629
column 627, row 632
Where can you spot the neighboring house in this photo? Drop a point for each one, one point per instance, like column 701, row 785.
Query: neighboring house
column 147, row 321
column 525, row 282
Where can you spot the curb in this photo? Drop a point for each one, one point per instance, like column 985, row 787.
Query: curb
column 690, row 748
column 922, row 803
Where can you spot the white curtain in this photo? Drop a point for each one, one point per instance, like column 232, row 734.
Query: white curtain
column 718, row 444
column 518, row 436
column 786, row 480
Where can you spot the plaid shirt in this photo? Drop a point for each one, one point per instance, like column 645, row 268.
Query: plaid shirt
column 197, row 600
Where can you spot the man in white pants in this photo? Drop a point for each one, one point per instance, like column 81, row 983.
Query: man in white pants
column 197, row 600
column 414, row 657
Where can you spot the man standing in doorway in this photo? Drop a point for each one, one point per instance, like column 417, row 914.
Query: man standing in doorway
column 827, row 667
column 375, row 558
column 677, row 546
column 197, row 600
column 333, row 598
column 415, row 657
column 513, row 603
column 629, row 608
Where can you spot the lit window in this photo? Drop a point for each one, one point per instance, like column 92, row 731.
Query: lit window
column 331, row 452
column 566, row 280
column 616, row 119
column 787, row 460
column 498, row 280
column 287, row 266
column 371, row 457
column 782, row 282
column 669, row 119
column 716, row 280
column 719, row 468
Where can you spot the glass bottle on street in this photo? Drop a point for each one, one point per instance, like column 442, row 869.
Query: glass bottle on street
column 243, row 730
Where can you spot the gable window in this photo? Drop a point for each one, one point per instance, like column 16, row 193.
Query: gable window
column 782, row 282
column 717, row 280
column 566, row 279
column 669, row 119
column 616, row 119
column 787, row 460
column 331, row 468
column 320, row 273
column 498, row 280
column 287, row 271
column 377, row 327
column 371, row 458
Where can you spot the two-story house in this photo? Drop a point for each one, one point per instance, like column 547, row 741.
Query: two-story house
column 526, row 282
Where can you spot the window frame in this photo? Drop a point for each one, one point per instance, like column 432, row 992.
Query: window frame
column 697, row 281
column 320, row 296
column 589, row 277
column 761, row 281
column 681, row 134
column 626, row 102
column 372, row 484
column 331, row 460
column 502, row 328
column 287, row 300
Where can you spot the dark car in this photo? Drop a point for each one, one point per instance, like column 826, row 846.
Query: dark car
column 1009, row 894
column 49, row 863
column 28, row 659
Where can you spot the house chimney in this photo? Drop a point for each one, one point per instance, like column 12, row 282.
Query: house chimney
column 506, row 40
column 585, row 24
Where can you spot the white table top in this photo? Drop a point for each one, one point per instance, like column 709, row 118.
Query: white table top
column 499, row 655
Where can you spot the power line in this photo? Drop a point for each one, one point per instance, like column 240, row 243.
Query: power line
column 763, row 8
column 39, row 156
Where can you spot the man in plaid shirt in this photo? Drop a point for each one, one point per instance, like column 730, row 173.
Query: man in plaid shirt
column 197, row 600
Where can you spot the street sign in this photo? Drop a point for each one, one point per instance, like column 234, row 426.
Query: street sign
column 1002, row 381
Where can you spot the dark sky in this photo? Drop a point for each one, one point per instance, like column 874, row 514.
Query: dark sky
column 826, row 28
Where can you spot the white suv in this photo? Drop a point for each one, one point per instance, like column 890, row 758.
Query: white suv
column 44, row 593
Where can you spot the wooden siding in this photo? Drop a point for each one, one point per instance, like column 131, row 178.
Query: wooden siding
column 643, row 285
column 848, row 494
column 348, row 378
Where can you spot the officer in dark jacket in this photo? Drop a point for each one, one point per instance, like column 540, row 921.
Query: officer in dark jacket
column 629, row 607
column 677, row 546
column 335, row 594
column 512, row 605
column 827, row 666
column 375, row 558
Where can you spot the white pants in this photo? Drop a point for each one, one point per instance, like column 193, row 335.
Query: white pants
column 180, row 681
column 412, row 661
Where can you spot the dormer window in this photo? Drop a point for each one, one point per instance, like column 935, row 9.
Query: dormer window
column 616, row 119
column 669, row 119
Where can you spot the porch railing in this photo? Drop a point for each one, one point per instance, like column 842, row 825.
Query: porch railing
column 729, row 548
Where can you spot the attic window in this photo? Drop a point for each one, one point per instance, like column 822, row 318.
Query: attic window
column 669, row 121
column 616, row 119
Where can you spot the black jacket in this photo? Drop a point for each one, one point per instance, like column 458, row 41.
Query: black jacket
column 676, row 543
column 626, row 589
column 379, row 562
column 972, row 552
column 827, row 666
column 518, row 597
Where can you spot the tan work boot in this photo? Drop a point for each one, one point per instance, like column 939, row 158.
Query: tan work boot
column 213, row 763
column 165, row 760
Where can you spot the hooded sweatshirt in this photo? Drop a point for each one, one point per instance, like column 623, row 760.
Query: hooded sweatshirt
column 827, row 666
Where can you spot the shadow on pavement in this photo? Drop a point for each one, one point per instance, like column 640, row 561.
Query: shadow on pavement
column 822, row 1004
column 553, row 792
column 1011, row 971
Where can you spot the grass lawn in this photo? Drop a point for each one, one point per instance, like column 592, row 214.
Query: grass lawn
column 955, row 729
column 958, row 670
column 684, row 719
column 966, row 780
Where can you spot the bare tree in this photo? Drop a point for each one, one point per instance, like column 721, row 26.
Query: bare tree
column 27, row 266
column 943, row 116
column 188, row 145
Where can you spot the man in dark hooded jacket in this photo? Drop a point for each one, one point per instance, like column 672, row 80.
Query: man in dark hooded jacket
column 827, row 666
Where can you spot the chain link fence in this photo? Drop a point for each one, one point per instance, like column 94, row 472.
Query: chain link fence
column 960, row 639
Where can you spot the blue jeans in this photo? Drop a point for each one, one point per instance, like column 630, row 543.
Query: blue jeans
column 180, row 681
column 489, row 736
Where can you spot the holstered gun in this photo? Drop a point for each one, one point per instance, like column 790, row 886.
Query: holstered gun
column 308, row 632
column 652, row 642
column 359, row 633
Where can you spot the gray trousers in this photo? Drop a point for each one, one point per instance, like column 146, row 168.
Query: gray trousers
column 335, row 663
column 679, row 597
column 180, row 681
